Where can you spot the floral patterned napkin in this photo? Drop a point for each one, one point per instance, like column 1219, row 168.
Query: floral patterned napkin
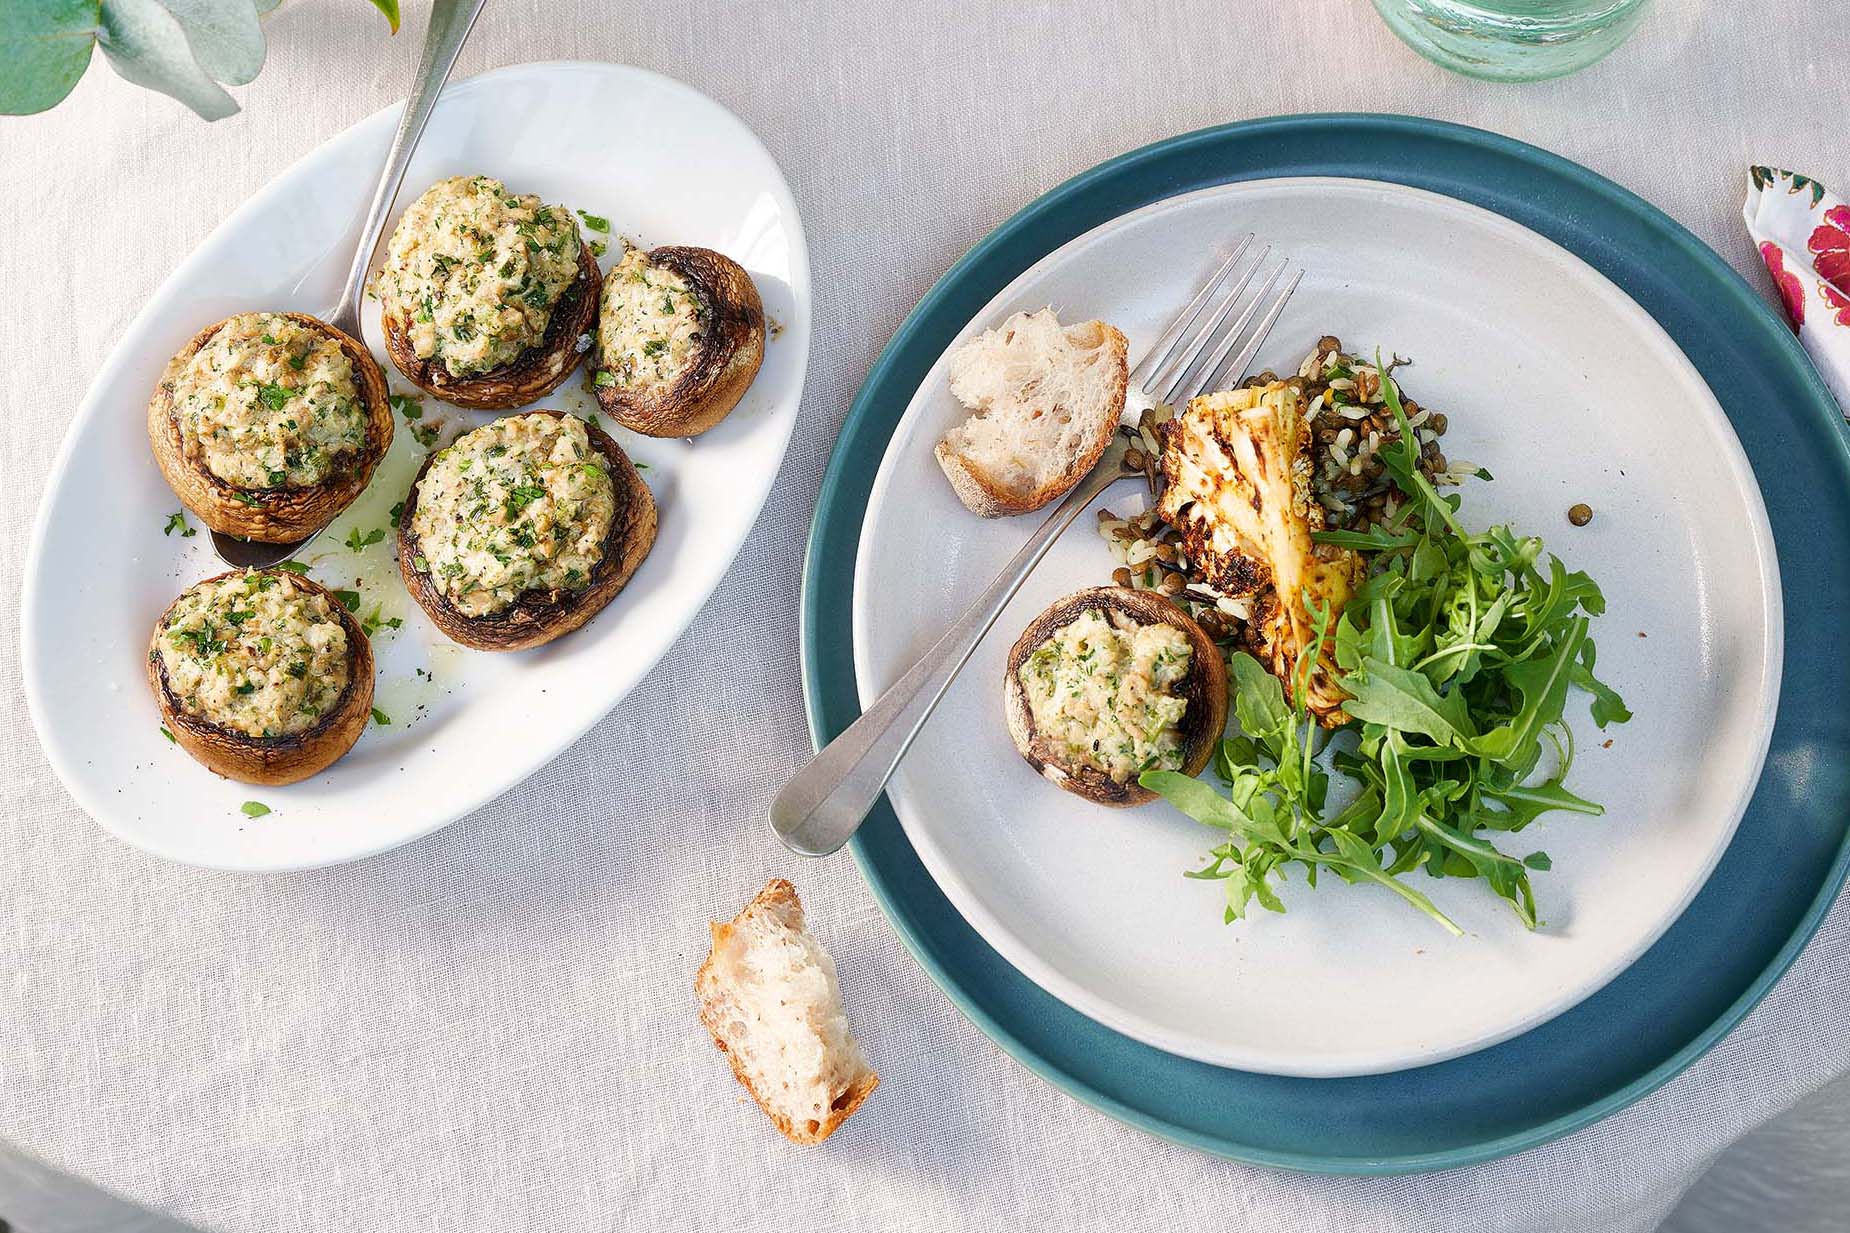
column 1803, row 233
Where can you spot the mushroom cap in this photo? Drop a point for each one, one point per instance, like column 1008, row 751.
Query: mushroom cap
column 277, row 759
column 724, row 364
column 537, row 617
column 271, row 515
column 1205, row 687
column 534, row 373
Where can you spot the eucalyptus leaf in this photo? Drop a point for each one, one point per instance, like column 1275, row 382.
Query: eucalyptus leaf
column 146, row 45
column 45, row 47
column 226, row 41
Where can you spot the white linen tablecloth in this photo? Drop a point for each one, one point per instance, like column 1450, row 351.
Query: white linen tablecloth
column 493, row 1028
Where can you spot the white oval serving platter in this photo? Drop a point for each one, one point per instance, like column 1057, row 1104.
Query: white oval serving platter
column 666, row 165
column 1568, row 392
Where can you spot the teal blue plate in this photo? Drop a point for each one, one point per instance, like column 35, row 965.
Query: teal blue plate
column 1766, row 896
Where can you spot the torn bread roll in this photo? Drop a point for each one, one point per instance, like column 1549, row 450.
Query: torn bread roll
column 769, row 996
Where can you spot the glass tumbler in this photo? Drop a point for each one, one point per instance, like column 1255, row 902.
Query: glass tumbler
column 1512, row 40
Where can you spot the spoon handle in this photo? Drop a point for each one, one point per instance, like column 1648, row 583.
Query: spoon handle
column 450, row 21
column 824, row 803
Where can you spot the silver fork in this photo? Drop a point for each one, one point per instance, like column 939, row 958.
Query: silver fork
column 1207, row 346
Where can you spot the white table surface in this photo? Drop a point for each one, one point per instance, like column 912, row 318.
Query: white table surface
column 493, row 1028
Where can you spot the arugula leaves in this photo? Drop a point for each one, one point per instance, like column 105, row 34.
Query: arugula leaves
column 1458, row 654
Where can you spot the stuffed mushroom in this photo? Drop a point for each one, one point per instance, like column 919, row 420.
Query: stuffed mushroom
column 1109, row 683
column 487, row 297
column 267, row 425
column 680, row 336
column 261, row 675
column 522, row 530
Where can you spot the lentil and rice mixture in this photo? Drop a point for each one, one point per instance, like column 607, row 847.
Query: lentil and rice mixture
column 1349, row 423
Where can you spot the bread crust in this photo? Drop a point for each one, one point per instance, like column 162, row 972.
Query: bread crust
column 726, row 362
column 272, row 760
column 532, row 374
column 1203, row 722
column 537, row 617
column 778, row 899
column 985, row 498
column 270, row 515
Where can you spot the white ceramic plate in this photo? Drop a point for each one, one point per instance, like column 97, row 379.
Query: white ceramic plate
column 1567, row 392
column 666, row 165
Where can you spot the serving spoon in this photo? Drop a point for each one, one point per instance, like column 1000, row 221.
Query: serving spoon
column 450, row 23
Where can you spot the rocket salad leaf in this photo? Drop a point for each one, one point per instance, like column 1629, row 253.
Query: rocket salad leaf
column 1458, row 654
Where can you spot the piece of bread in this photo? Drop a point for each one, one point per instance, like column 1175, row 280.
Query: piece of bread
column 769, row 997
column 1047, row 398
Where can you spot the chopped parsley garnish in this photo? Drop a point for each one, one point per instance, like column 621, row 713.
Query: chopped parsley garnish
column 521, row 496
column 374, row 621
column 595, row 222
column 176, row 521
column 358, row 540
column 655, row 346
column 410, row 408
column 598, row 248
column 171, row 738
column 398, row 513
column 604, row 379
column 205, row 643
column 274, row 396
column 246, row 498
column 424, row 434
column 381, row 718
column 294, row 567
column 254, row 809
column 350, row 600
column 269, row 341
column 299, row 362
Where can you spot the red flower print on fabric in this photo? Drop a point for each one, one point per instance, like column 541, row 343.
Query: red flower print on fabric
column 1838, row 301
column 1830, row 247
column 1791, row 290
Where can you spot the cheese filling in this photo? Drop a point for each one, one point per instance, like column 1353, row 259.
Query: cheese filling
column 1099, row 692
column 649, row 324
column 268, row 403
column 521, row 505
column 258, row 653
column 475, row 272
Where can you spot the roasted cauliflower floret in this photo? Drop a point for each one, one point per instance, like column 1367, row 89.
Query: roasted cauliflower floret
column 1238, row 472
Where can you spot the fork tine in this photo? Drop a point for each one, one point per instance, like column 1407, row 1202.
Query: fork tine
column 1215, row 344
column 1234, row 368
column 1162, row 350
column 1212, row 371
column 1164, row 383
